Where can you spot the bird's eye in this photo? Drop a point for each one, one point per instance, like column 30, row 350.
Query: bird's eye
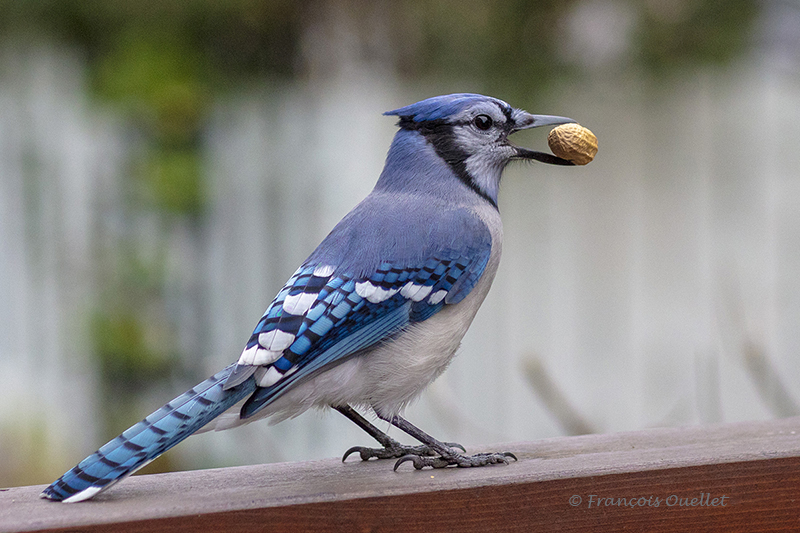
column 483, row 122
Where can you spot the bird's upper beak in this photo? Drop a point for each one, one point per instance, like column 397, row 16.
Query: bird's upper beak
column 523, row 121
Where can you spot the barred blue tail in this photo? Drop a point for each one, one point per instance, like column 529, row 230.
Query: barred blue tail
column 148, row 439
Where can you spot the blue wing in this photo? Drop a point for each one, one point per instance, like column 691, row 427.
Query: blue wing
column 322, row 317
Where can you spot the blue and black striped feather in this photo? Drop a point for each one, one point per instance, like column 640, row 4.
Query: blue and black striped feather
column 151, row 437
column 341, row 323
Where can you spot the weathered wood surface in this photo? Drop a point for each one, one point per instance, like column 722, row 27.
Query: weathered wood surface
column 734, row 477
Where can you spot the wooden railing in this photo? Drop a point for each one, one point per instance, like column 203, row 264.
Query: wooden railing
column 733, row 477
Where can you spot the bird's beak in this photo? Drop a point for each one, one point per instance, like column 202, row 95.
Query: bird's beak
column 523, row 121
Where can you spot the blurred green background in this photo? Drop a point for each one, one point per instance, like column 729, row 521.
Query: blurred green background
column 164, row 166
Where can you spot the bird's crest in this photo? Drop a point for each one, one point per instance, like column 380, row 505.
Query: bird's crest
column 441, row 107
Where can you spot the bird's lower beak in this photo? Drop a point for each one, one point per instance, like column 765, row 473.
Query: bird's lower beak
column 524, row 120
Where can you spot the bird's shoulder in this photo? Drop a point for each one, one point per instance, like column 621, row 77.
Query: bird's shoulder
column 401, row 229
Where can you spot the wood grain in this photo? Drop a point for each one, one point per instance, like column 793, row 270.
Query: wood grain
column 750, row 471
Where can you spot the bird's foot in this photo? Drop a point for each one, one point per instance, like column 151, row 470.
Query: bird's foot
column 395, row 449
column 463, row 461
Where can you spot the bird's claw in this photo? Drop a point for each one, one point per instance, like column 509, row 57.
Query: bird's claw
column 462, row 461
column 395, row 451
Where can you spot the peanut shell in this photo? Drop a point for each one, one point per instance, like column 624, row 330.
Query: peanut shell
column 573, row 142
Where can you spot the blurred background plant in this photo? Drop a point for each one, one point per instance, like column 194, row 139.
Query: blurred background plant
column 164, row 166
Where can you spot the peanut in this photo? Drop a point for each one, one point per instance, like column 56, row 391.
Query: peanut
column 573, row 142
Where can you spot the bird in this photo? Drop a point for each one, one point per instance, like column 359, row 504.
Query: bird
column 375, row 313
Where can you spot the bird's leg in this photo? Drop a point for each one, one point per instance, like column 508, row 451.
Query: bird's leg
column 446, row 455
column 391, row 448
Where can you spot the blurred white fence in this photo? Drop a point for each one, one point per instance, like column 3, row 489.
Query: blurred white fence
column 60, row 166
column 660, row 285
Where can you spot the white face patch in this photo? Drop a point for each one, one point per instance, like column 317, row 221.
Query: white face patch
column 489, row 152
column 485, row 169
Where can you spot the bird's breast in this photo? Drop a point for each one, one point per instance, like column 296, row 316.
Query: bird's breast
column 399, row 371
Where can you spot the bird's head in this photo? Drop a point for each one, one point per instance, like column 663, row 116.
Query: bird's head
column 470, row 132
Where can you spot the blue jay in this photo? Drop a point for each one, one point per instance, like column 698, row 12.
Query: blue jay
column 375, row 313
